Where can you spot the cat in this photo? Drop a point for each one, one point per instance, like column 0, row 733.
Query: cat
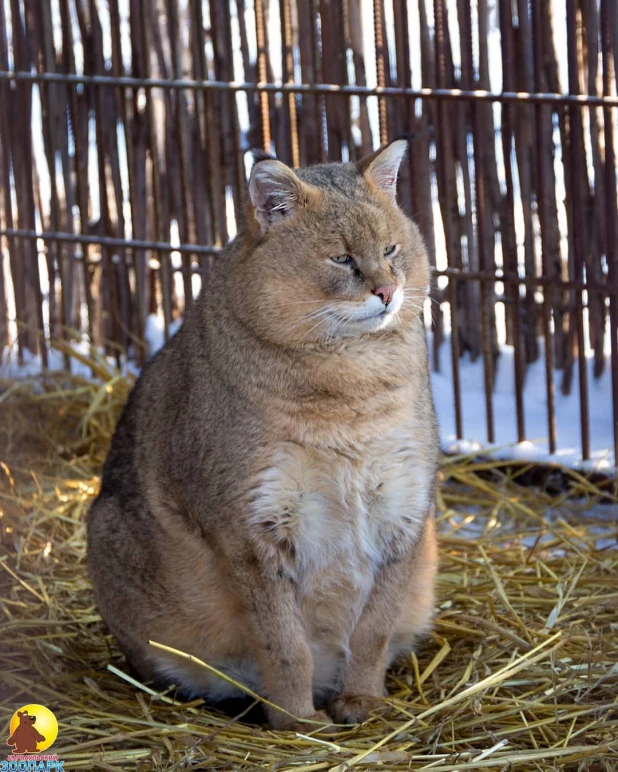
column 267, row 501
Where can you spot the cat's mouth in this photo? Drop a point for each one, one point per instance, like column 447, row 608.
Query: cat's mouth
column 373, row 322
column 372, row 316
column 379, row 315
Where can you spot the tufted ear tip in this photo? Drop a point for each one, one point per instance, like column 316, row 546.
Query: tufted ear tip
column 257, row 154
column 382, row 167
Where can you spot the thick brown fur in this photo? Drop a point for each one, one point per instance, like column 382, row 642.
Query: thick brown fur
column 266, row 504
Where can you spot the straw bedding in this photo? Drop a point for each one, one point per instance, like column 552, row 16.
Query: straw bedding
column 520, row 674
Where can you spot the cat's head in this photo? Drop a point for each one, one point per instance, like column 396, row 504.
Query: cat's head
column 330, row 253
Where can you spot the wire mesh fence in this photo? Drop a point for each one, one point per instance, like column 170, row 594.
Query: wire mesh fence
column 124, row 128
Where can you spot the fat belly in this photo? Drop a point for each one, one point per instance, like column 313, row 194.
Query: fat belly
column 330, row 517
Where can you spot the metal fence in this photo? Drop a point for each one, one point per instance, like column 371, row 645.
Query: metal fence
column 124, row 123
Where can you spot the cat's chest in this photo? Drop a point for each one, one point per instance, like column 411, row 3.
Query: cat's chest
column 339, row 512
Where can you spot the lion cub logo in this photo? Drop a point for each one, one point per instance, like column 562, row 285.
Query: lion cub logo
column 33, row 729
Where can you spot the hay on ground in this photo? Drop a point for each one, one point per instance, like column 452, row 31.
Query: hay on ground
column 521, row 672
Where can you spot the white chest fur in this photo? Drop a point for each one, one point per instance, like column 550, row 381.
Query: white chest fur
column 336, row 513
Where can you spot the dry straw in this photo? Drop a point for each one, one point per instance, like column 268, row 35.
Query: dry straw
column 521, row 672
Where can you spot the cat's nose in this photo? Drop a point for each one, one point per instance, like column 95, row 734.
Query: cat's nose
column 385, row 293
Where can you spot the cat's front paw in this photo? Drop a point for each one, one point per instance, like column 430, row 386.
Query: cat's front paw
column 354, row 708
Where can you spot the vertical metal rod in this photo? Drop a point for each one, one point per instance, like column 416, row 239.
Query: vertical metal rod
column 287, row 70
column 125, row 97
column 80, row 164
column 23, row 175
column 611, row 214
column 5, row 192
column 237, row 175
column 452, row 302
column 46, row 62
column 541, row 198
column 575, row 143
column 484, row 261
column 380, row 42
column 404, row 116
column 422, row 175
column 164, row 260
column 319, row 99
column 101, row 142
column 179, row 134
column 509, row 245
column 260, row 32
column 346, row 45
column 443, row 146
column 208, row 134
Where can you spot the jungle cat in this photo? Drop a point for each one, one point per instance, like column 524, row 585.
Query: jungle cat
column 267, row 501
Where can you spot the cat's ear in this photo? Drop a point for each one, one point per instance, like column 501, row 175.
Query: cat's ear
column 275, row 191
column 382, row 167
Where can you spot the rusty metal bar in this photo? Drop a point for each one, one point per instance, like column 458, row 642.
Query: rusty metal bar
column 455, row 354
column 24, row 168
column 575, row 142
column 484, row 258
column 6, row 205
column 541, row 198
column 125, row 111
column 509, row 249
column 164, row 246
column 148, row 20
column 380, row 43
column 260, row 32
column 447, row 94
column 56, row 261
column 611, row 207
column 319, row 106
column 179, row 108
column 346, row 45
column 108, row 241
column 80, row 164
column 103, row 142
column 443, row 147
column 287, row 69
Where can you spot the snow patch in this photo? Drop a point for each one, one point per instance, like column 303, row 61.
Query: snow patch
column 154, row 332
column 505, row 445
column 32, row 366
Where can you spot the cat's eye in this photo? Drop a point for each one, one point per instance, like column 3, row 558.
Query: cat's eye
column 342, row 259
column 390, row 251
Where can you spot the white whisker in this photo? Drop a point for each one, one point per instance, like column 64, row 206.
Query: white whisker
column 321, row 312
column 321, row 321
